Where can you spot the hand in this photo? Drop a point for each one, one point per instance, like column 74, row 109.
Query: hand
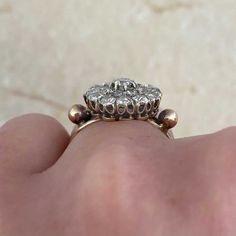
column 114, row 179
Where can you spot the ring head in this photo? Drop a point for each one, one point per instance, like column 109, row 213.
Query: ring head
column 123, row 99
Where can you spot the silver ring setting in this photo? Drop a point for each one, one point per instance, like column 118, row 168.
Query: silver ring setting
column 123, row 99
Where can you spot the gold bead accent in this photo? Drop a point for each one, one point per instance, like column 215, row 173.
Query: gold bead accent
column 79, row 113
column 168, row 118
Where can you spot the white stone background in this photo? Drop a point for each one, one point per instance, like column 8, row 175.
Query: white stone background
column 51, row 51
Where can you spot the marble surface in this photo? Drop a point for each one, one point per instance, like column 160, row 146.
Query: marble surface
column 51, row 51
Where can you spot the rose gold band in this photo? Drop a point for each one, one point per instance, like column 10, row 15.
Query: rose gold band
column 78, row 128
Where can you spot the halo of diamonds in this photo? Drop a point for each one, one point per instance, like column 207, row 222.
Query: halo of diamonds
column 123, row 99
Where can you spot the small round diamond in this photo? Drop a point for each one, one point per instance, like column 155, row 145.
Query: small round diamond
column 105, row 100
column 94, row 96
column 123, row 84
column 143, row 89
column 156, row 92
column 99, row 89
column 151, row 96
column 140, row 99
column 124, row 101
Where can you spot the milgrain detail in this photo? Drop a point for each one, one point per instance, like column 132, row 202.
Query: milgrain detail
column 159, row 9
column 34, row 97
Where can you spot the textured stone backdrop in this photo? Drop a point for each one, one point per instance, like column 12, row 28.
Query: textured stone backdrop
column 51, row 51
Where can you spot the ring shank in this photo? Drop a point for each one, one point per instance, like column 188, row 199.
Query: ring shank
column 78, row 128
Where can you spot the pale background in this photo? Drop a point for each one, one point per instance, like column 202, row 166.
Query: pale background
column 51, row 51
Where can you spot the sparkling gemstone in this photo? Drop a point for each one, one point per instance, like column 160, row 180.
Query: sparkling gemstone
column 105, row 90
column 140, row 99
column 107, row 100
column 117, row 93
column 143, row 89
column 151, row 96
column 99, row 89
column 156, row 92
column 123, row 84
column 124, row 101
column 131, row 93
column 94, row 96
column 95, row 88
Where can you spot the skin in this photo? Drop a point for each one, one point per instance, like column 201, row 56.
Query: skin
column 114, row 178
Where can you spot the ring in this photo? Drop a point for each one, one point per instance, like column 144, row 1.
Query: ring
column 122, row 99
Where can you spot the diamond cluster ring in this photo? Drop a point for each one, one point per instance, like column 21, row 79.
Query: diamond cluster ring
column 123, row 99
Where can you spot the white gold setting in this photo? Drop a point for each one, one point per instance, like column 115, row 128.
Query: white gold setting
column 123, row 99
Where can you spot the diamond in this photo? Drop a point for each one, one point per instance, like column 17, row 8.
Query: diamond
column 94, row 96
column 131, row 93
column 124, row 101
column 117, row 93
column 123, row 84
column 143, row 89
column 107, row 100
column 156, row 92
column 151, row 96
column 105, row 90
column 95, row 88
column 99, row 89
column 140, row 99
